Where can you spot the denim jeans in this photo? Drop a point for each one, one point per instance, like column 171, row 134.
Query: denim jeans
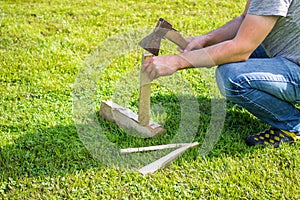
column 266, row 87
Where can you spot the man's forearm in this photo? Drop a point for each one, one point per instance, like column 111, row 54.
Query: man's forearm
column 224, row 52
column 250, row 35
column 226, row 32
column 213, row 52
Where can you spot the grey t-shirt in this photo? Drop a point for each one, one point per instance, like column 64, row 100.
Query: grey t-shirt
column 284, row 39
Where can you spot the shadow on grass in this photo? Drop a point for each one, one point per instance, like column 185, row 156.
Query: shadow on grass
column 238, row 125
column 58, row 150
column 49, row 152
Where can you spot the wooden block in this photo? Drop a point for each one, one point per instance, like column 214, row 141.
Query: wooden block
column 127, row 119
column 145, row 92
column 166, row 160
column 152, row 148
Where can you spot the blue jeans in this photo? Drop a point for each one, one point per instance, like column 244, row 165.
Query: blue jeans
column 266, row 87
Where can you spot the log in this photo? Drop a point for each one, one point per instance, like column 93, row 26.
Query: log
column 128, row 120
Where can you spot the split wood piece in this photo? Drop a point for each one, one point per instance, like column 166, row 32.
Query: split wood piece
column 166, row 160
column 152, row 148
column 127, row 119
column 145, row 92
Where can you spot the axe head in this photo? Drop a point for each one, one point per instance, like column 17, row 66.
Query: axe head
column 151, row 43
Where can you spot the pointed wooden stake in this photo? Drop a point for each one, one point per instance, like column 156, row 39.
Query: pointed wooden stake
column 152, row 148
column 166, row 160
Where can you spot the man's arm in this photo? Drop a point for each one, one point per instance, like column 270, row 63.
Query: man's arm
column 226, row 32
column 253, row 30
column 249, row 35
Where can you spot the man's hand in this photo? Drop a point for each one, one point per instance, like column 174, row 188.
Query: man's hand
column 194, row 43
column 163, row 65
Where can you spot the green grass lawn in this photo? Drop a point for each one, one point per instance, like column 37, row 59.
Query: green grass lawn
column 59, row 59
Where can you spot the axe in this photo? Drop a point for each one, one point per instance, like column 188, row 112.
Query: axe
column 163, row 29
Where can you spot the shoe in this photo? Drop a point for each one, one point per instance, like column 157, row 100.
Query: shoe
column 273, row 137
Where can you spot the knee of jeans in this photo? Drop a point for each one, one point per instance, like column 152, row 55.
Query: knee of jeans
column 229, row 82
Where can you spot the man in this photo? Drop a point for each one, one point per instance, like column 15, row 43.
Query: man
column 258, row 54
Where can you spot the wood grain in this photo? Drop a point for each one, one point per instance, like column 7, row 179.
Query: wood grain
column 145, row 93
column 166, row 160
column 127, row 119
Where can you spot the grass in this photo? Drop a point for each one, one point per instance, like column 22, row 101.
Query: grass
column 46, row 151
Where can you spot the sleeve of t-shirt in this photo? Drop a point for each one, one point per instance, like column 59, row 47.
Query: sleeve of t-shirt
column 269, row 7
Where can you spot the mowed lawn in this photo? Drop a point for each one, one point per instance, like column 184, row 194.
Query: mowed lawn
column 60, row 59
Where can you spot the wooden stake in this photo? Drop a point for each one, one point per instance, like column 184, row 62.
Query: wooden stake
column 164, row 161
column 145, row 92
column 152, row 148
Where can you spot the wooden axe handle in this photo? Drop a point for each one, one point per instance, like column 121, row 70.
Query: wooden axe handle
column 177, row 38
